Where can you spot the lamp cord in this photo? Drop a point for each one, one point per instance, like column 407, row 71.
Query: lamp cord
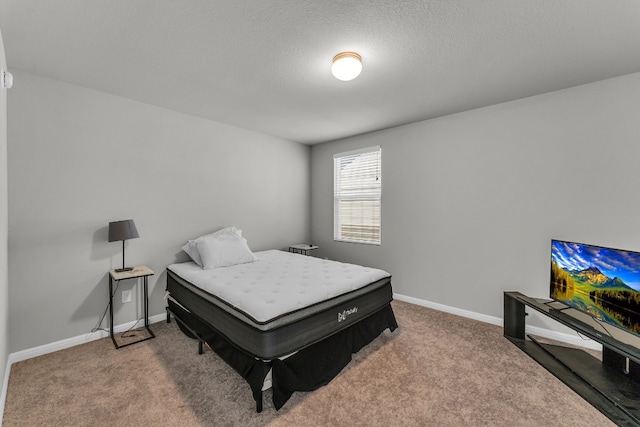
column 122, row 335
column 98, row 328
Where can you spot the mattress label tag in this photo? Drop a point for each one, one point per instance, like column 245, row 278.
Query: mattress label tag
column 343, row 316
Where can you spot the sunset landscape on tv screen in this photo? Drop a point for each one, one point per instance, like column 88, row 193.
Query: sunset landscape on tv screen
column 602, row 282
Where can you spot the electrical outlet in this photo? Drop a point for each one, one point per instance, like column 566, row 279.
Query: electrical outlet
column 126, row 296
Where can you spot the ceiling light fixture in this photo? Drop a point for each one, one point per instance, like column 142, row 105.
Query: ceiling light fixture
column 346, row 66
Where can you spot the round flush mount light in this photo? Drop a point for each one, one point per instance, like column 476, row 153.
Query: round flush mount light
column 346, row 66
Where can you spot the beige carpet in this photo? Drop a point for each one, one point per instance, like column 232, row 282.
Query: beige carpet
column 437, row 369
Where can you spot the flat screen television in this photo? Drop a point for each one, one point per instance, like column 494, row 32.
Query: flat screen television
column 602, row 282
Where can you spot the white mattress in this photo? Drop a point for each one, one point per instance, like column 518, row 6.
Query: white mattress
column 279, row 282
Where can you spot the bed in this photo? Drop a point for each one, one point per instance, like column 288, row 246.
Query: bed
column 286, row 321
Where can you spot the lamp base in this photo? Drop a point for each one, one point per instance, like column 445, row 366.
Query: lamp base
column 120, row 270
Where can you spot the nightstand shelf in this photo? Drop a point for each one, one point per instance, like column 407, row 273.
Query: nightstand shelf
column 140, row 272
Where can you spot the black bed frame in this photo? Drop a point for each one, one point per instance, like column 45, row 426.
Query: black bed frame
column 306, row 370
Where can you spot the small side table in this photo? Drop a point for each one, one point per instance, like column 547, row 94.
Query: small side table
column 302, row 249
column 141, row 271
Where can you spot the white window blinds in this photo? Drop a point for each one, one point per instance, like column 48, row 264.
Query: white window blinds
column 357, row 178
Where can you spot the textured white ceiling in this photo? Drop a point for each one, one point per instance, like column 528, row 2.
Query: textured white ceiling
column 265, row 65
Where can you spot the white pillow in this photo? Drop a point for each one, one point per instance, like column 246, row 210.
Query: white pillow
column 191, row 247
column 224, row 251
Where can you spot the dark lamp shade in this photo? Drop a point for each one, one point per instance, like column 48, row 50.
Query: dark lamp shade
column 122, row 230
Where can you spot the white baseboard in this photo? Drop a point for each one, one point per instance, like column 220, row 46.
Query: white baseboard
column 60, row 345
column 70, row 342
column 534, row 330
column 5, row 386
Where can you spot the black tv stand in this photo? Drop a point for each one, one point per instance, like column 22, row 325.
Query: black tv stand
column 611, row 385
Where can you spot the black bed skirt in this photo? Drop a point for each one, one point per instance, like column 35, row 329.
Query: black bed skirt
column 306, row 370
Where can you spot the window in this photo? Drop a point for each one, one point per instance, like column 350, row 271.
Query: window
column 357, row 181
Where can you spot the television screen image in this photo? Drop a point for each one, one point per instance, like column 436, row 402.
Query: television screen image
column 602, row 282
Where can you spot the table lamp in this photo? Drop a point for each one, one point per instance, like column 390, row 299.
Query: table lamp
column 123, row 230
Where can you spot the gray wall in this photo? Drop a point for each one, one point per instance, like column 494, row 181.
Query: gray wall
column 471, row 201
column 80, row 158
column 4, row 277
